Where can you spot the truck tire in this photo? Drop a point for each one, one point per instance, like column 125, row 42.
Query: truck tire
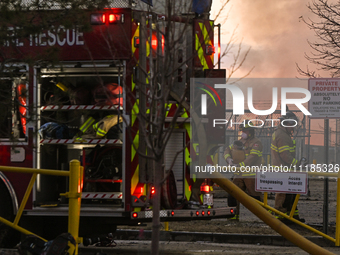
column 169, row 192
column 9, row 237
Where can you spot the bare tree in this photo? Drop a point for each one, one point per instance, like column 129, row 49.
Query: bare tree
column 325, row 49
column 161, row 89
column 233, row 49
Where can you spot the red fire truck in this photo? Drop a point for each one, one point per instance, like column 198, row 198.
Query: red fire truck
column 49, row 110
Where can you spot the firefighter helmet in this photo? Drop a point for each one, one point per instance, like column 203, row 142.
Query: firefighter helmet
column 290, row 119
column 248, row 126
column 110, row 94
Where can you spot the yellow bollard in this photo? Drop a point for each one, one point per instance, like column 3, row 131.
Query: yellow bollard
column 294, row 205
column 166, row 226
column 74, row 196
column 265, row 198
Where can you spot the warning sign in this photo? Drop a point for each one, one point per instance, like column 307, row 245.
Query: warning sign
column 284, row 182
column 324, row 102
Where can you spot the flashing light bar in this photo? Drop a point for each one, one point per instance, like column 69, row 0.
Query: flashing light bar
column 106, row 18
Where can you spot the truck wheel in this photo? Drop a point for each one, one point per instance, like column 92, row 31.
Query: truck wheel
column 8, row 236
column 169, row 192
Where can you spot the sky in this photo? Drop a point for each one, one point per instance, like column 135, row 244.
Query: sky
column 274, row 31
column 277, row 37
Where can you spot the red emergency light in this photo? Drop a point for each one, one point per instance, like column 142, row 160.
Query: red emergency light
column 139, row 191
column 205, row 188
column 106, row 18
column 154, row 42
column 134, row 215
column 112, row 18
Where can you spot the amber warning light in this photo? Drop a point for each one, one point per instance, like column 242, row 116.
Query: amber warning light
column 106, row 18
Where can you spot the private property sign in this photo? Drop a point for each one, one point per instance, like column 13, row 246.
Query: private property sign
column 282, row 182
column 325, row 95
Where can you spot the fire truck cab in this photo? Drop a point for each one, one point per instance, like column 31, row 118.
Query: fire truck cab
column 52, row 114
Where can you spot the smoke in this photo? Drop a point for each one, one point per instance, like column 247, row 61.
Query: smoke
column 274, row 31
column 278, row 39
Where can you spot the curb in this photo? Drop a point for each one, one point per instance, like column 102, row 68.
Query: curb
column 277, row 240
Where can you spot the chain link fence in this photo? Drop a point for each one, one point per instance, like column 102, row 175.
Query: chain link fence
column 266, row 126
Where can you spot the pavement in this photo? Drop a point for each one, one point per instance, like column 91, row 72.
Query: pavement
column 196, row 248
column 129, row 247
column 221, row 238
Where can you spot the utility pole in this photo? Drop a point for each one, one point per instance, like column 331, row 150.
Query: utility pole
column 326, row 181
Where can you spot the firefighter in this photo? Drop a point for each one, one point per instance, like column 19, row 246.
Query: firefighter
column 245, row 152
column 283, row 154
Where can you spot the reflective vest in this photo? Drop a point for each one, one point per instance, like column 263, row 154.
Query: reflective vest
column 282, row 148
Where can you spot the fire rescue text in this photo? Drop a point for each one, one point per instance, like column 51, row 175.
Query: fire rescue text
column 54, row 36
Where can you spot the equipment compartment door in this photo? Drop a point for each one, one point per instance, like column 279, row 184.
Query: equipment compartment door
column 176, row 144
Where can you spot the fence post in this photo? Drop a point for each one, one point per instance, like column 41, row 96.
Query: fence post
column 74, row 202
column 337, row 219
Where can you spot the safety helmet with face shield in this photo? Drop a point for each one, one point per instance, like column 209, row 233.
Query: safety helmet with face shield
column 248, row 129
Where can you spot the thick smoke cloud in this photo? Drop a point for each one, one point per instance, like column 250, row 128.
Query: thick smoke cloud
column 274, row 31
column 278, row 39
